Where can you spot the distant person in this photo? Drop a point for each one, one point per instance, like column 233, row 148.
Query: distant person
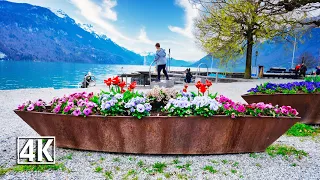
column 188, row 76
column 161, row 60
column 297, row 70
column 303, row 70
column 318, row 70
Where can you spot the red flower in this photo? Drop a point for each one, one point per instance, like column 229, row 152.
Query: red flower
column 198, row 84
column 186, row 86
column 122, row 90
column 203, row 88
column 208, row 83
column 122, row 84
column 184, row 90
column 108, row 82
column 132, row 85
column 116, row 80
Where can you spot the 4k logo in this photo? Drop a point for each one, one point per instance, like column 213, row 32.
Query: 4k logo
column 36, row 150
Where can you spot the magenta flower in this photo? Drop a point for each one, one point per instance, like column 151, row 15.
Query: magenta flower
column 70, row 103
column 240, row 108
column 30, row 107
column 277, row 111
column 56, row 109
column 86, row 111
column 294, row 112
column 21, row 107
column 39, row 103
column 261, row 105
column 67, row 108
column 227, row 106
column 284, row 110
column 76, row 112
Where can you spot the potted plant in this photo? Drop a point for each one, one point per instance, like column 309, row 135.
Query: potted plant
column 123, row 121
column 304, row 96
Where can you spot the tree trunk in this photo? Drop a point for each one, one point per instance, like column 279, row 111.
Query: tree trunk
column 247, row 74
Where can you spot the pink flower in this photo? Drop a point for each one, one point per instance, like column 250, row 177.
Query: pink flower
column 86, row 111
column 76, row 112
column 269, row 106
column 67, row 109
column 70, row 103
column 39, row 103
column 284, row 110
column 56, row 109
column 30, row 107
column 253, row 105
column 294, row 112
column 261, row 105
column 240, row 108
column 21, row 107
column 227, row 106
column 277, row 111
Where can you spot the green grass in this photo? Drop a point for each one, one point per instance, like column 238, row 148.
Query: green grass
column 167, row 175
column 102, row 159
column 185, row 166
column 210, row 169
column 108, row 175
column 28, row 168
column 140, row 163
column 116, row 159
column 294, row 164
column 253, row 155
column 69, row 156
column 98, row 169
column 214, row 162
column 286, row 151
column 131, row 172
column 233, row 171
column 182, row 176
column 159, row 167
column 235, row 164
column 301, row 130
column 176, row 161
column 224, row 161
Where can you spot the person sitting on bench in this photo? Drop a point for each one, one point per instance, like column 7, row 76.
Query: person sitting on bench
column 188, row 76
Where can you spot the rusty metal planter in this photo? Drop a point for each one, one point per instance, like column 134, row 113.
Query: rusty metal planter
column 308, row 105
column 160, row 134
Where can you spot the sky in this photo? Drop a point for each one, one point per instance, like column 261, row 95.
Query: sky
column 136, row 24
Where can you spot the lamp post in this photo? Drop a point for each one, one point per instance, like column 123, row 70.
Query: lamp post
column 294, row 50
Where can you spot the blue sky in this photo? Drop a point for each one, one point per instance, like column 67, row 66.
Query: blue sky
column 136, row 24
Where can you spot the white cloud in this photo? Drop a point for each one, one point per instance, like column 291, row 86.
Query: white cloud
column 102, row 16
column 143, row 36
column 190, row 14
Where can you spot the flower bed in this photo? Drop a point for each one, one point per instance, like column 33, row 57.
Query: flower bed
column 189, row 123
column 304, row 96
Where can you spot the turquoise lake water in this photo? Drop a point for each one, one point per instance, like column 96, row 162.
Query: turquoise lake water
column 28, row 74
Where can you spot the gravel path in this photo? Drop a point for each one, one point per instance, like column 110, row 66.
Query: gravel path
column 82, row 164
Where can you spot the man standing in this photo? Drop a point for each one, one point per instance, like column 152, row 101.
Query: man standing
column 161, row 60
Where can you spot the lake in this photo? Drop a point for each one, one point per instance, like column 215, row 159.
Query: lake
column 28, row 74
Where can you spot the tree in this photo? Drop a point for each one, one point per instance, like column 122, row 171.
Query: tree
column 308, row 59
column 230, row 28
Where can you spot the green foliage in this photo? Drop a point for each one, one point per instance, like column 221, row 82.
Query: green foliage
column 226, row 28
column 235, row 164
column 140, row 163
column 116, row 159
column 27, row 168
column 286, row 151
column 185, row 166
column 131, row 172
column 159, row 167
column 312, row 79
column 300, row 129
column 69, row 156
column 224, row 161
column 214, row 162
column 98, row 169
column 167, row 175
column 233, row 171
column 176, row 161
column 210, row 169
column 182, row 176
column 108, row 175
column 253, row 155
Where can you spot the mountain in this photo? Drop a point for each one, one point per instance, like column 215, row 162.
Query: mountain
column 275, row 53
column 35, row 33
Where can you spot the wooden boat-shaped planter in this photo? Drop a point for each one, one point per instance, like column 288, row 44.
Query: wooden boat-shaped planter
column 308, row 105
column 160, row 134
